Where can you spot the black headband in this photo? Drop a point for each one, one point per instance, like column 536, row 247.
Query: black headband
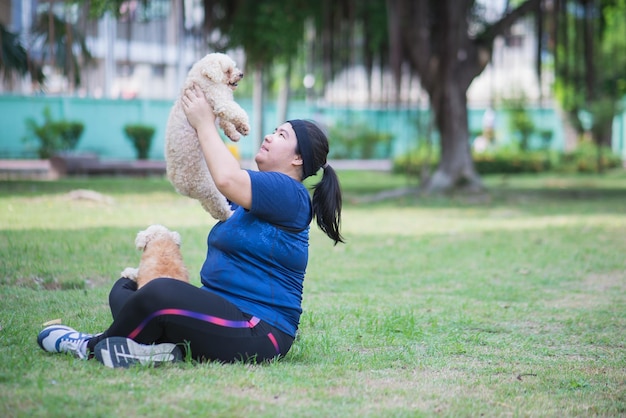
column 305, row 147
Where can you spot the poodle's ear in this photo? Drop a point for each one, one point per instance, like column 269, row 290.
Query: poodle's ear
column 175, row 237
column 213, row 71
column 141, row 241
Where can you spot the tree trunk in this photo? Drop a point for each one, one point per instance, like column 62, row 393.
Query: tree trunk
column 456, row 168
column 282, row 105
column 450, row 73
column 257, row 105
column 51, row 33
column 602, row 136
column 69, row 55
column 435, row 38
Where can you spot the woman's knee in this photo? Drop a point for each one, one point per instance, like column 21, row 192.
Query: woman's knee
column 160, row 284
column 161, row 289
column 124, row 284
column 121, row 291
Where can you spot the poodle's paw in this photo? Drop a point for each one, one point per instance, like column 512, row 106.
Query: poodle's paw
column 229, row 130
column 243, row 128
column 235, row 137
column 130, row 273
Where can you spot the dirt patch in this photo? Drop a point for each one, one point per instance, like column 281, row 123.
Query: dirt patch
column 90, row 196
column 615, row 280
column 597, row 289
column 41, row 283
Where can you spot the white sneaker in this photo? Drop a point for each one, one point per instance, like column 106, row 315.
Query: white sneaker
column 117, row 352
column 63, row 339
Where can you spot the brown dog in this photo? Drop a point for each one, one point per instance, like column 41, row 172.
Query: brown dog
column 161, row 256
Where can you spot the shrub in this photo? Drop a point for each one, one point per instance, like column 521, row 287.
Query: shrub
column 141, row 138
column 417, row 160
column 54, row 136
column 584, row 159
column 358, row 140
column 546, row 136
column 511, row 159
column 520, row 121
column 503, row 160
column 506, row 162
column 70, row 133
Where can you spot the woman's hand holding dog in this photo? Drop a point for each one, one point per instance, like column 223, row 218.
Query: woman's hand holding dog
column 197, row 109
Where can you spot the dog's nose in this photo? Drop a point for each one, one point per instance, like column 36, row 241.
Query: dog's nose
column 241, row 75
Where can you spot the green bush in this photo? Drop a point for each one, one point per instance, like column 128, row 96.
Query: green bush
column 512, row 163
column 511, row 159
column 54, row 136
column 141, row 138
column 546, row 136
column 358, row 140
column 520, row 121
column 503, row 160
column 414, row 162
column 70, row 132
column 523, row 126
column 584, row 159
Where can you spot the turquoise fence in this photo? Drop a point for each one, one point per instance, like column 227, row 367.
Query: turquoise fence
column 104, row 120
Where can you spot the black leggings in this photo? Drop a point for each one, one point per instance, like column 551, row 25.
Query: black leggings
column 167, row 310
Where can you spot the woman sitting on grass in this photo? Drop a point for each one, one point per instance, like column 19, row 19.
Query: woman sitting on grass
column 250, row 303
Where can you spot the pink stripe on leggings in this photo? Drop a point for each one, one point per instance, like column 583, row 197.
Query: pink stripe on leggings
column 251, row 323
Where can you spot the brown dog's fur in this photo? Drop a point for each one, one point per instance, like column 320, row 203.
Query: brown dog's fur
column 161, row 256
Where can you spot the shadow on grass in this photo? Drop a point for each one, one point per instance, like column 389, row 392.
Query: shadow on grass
column 106, row 185
column 569, row 193
column 361, row 184
column 574, row 194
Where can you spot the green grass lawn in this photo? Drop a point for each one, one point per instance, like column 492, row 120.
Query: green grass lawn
column 508, row 304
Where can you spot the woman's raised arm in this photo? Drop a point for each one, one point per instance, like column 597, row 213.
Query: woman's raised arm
column 229, row 178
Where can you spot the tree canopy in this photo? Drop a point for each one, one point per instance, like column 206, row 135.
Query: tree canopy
column 266, row 30
column 446, row 44
column 14, row 59
column 590, row 58
column 58, row 38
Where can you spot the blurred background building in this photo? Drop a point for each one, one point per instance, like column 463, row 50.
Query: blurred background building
column 131, row 69
column 143, row 54
column 147, row 52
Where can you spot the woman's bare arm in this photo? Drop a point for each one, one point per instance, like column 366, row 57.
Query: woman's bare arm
column 230, row 179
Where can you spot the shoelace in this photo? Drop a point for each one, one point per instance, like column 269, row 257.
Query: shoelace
column 74, row 345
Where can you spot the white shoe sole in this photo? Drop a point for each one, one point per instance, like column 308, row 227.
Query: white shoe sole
column 116, row 352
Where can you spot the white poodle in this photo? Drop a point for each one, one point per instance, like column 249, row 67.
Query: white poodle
column 217, row 76
column 161, row 256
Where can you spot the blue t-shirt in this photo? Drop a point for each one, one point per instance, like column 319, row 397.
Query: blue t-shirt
column 257, row 258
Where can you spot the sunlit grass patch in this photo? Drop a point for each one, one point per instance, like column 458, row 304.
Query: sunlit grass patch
column 509, row 305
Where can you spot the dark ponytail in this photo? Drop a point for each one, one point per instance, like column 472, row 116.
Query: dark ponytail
column 327, row 204
column 327, row 199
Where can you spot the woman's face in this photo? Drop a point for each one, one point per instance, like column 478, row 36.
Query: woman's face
column 278, row 151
